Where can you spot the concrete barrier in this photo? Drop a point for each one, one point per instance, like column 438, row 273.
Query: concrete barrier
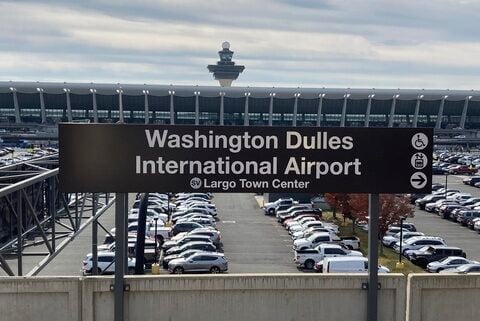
column 39, row 298
column 441, row 297
column 245, row 297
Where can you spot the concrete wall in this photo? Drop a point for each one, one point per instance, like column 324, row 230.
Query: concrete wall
column 278, row 297
column 440, row 297
column 283, row 297
column 39, row 298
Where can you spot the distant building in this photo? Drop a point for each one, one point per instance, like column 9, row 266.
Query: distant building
column 30, row 103
column 225, row 71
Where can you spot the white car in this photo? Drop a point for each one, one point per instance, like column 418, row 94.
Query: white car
column 347, row 264
column 106, row 263
column 390, row 240
column 417, row 242
column 269, row 208
column 464, row 269
column 450, row 262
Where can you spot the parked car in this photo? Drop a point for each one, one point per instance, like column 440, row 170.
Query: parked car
column 308, row 257
column 346, row 265
column 187, row 238
column 106, row 263
column 390, row 240
column 463, row 170
column 418, row 242
column 199, row 262
column 464, row 269
column 184, row 227
column 316, row 239
column 450, row 262
column 291, row 209
column 428, row 199
column 434, row 253
column 269, row 208
column 204, row 246
column 184, row 254
column 406, row 225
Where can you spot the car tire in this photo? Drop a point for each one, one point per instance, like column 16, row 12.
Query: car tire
column 131, row 270
column 438, row 270
column 309, row 264
column 214, row 270
column 271, row 211
column 178, row 270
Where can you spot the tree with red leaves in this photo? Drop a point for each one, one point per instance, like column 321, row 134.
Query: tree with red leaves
column 392, row 209
column 338, row 202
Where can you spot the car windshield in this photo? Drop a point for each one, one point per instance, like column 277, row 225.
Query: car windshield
column 444, row 260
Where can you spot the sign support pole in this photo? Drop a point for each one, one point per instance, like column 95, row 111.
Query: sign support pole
column 372, row 299
column 120, row 255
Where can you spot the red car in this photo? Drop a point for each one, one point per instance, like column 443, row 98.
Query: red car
column 462, row 169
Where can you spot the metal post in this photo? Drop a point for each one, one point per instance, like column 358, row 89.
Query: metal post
column 19, row 233
column 120, row 255
column 372, row 300
column 391, row 118
column 52, row 210
column 344, row 110
column 125, row 204
column 369, row 108
column 69, row 104
column 401, row 240
column 446, row 184
column 197, row 108
column 245, row 116
column 319, row 110
column 438, row 124
column 94, row 236
column 156, row 240
column 15, row 104
column 464, row 112
column 147, row 113
column 222, row 109
column 172, row 107
column 295, row 110
column 140, row 244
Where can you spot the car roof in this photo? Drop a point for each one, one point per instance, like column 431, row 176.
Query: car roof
column 196, row 242
column 423, row 237
column 346, row 258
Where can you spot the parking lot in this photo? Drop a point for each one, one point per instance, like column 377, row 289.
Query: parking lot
column 454, row 234
column 252, row 241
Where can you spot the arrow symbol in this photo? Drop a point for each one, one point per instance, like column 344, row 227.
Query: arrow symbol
column 419, row 179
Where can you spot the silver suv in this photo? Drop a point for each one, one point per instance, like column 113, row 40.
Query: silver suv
column 199, row 262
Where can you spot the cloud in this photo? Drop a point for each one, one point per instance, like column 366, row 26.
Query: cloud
column 328, row 42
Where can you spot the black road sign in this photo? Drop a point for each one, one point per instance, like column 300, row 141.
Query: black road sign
column 154, row 158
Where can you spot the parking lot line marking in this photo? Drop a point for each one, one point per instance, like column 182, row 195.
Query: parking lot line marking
column 229, row 222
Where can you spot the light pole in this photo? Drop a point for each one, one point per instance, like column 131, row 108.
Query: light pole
column 156, row 237
column 446, row 184
column 155, row 266
column 400, row 264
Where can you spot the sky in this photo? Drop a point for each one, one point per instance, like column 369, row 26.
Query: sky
column 282, row 43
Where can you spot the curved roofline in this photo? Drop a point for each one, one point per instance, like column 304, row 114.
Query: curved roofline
column 255, row 92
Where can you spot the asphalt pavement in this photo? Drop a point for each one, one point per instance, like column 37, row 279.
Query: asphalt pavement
column 453, row 233
column 252, row 241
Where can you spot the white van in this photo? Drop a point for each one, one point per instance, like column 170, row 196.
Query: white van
column 348, row 265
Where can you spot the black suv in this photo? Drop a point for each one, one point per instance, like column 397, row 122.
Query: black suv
column 435, row 253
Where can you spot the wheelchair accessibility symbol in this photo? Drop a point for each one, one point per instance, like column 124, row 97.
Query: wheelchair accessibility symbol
column 419, row 141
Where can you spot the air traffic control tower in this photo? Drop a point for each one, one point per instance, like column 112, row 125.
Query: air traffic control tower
column 225, row 71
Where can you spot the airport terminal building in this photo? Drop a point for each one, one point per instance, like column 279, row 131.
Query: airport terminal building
column 41, row 103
